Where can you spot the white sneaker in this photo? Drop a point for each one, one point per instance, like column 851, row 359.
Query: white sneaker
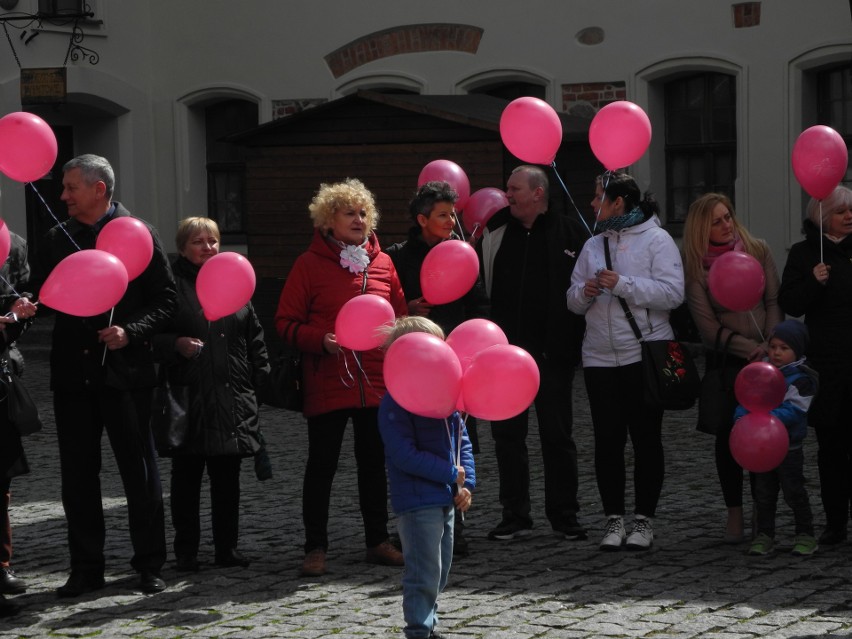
column 642, row 535
column 614, row 534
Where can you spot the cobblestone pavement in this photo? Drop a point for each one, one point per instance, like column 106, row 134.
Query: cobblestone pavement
column 688, row 585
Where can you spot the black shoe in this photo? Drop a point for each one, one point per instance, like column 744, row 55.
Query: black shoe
column 186, row 563
column 231, row 558
column 510, row 528
column 79, row 583
column 7, row 608
column 571, row 529
column 9, row 583
column 150, row 582
column 831, row 536
column 460, row 545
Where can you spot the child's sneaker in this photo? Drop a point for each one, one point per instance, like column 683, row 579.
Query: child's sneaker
column 804, row 545
column 642, row 535
column 763, row 544
column 614, row 534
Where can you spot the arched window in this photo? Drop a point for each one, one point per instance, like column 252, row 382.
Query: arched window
column 701, row 140
column 226, row 165
column 834, row 105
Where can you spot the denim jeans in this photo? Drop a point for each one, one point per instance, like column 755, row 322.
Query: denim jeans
column 427, row 545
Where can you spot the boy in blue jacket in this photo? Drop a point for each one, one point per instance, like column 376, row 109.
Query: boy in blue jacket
column 426, row 484
column 787, row 345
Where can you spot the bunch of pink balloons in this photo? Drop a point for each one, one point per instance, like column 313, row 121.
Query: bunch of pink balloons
column 475, row 370
column 619, row 134
column 448, row 272
column 759, row 440
column 225, row 284
column 361, row 321
column 449, row 172
column 28, row 146
column 737, row 281
column 531, row 130
column 820, row 158
column 481, row 206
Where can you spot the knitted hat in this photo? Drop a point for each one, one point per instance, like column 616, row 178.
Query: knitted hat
column 795, row 334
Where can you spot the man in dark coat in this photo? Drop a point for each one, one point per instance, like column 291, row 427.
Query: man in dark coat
column 102, row 376
column 527, row 256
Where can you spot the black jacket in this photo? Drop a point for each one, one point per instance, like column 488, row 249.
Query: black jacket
column 408, row 259
column 827, row 309
column 150, row 301
column 222, row 380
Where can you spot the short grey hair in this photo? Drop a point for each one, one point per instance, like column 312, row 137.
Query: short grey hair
column 94, row 168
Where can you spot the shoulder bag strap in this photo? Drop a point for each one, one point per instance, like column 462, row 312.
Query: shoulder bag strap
column 627, row 312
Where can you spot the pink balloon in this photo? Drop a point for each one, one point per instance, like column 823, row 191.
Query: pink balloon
column 819, row 160
column 531, row 130
column 501, row 382
column 760, row 387
column 759, row 442
column 481, row 206
column 225, row 284
column 448, row 272
column 619, row 134
column 450, row 172
column 473, row 336
column 5, row 242
column 130, row 241
column 28, row 146
column 736, row 280
column 423, row 375
column 85, row 283
column 359, row 322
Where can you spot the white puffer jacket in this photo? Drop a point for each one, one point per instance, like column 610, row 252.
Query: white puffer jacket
column 651, row 280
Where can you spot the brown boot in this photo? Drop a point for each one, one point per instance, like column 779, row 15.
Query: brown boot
column 314, row 563
column 385, row 554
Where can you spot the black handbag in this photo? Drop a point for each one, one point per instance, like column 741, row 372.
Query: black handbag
column 169, row 414
column 670, row 378
column 716, row 399
column 20, row 407
column 285, row 379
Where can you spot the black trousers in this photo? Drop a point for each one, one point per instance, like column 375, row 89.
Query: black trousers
column 615, row 400
column 559, row 452
column 81, row 418
column 187, row 475
column 789, row 478
column 5, row 523
column 325, row 438
column 830, row 417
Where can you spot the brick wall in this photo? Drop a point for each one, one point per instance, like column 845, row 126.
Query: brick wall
column 281, row 108
column 585, row 99
column 746, row 14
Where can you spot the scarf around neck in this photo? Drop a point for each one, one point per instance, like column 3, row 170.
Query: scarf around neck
column 619, row 222
column 715, row 251
column 353, row 257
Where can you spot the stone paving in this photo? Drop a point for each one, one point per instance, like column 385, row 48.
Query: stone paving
column 688, row 585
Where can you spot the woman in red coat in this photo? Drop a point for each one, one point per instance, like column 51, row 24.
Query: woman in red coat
column 343, row 260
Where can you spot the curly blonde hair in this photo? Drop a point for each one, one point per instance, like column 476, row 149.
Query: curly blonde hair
column 696, row 233
column 342, row 196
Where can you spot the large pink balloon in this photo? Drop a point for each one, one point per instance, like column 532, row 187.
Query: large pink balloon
column 360, row 321
column 225, row 284
column 471, row 337
column 130, row 241
column 85, row 283
column 760, row 387
column 423, row 375
column 819, row 160
column 481, row 206
column 736, row 280
column 759, row 442
column 501, row 382
column 5, row 242
column 619, row 134
column 448, row 272
column 531, row 130
column 451, row 173
column 27, row 146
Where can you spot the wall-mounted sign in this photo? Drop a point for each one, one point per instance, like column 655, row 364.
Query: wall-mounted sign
column 43, row 86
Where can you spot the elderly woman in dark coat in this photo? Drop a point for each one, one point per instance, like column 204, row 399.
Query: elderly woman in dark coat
column 215, row 369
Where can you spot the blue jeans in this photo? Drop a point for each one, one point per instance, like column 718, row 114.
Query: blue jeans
column 427, row 546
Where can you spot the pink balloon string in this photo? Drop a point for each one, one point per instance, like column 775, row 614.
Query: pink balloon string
column 9, row 284
column 112, row 310
column 821, row 236
column 571, row 199
column 55, row 219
